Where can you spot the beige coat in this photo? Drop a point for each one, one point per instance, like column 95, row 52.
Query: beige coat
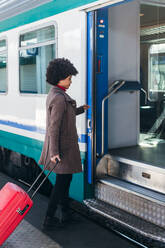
column 61, row 133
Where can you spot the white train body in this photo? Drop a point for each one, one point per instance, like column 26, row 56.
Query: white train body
column 24, row 114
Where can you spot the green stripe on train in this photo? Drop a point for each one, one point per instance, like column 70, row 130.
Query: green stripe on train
column 43, row 11
column 32, row 148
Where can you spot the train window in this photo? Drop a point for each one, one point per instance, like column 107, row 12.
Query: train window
column 37, row 48
column 156, row 72
column 3, row 66
column 152, row 72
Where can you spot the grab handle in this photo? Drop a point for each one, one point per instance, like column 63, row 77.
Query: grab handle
column 117, row 84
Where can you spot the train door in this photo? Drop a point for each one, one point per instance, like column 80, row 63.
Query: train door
column 97, row 82
column 132, row 179
column 112, row 60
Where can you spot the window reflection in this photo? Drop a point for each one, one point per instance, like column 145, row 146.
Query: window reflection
column 38, row 36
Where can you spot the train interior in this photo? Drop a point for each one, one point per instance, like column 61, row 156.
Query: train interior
column 130, row 174
column 142, row 133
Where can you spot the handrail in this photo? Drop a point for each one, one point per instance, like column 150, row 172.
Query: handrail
column 118, row 85
column 145, row 93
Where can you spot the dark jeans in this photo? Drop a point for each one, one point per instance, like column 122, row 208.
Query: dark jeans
column 60, row 193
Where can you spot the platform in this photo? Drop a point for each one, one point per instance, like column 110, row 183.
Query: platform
column 28, row 236
column 84, row 234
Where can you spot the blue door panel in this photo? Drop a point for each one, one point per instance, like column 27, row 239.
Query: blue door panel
column 90, row 74
column 97, row 84
column 101, row 76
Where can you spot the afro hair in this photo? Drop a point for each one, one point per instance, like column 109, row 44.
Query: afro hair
column 59, row 69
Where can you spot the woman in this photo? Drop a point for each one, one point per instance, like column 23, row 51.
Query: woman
column 61, row 139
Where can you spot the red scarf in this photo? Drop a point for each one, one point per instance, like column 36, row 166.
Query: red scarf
column 61, row 87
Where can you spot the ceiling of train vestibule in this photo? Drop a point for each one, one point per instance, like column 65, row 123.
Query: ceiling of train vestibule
column 9, row 8
column 152, row 15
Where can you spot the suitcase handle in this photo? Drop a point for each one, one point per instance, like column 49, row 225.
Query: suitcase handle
column 57, row 161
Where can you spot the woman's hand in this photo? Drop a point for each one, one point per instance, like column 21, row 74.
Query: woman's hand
column 85, row 106
column 54, row 158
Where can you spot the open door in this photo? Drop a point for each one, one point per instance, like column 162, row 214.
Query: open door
column 97, row 84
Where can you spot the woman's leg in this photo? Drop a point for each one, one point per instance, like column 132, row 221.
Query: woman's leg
column 59, row 192
column 65, row 200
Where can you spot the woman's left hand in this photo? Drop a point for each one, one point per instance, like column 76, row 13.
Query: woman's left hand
column 85, row 106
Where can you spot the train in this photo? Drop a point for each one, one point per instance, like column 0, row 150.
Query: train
column 118, row 47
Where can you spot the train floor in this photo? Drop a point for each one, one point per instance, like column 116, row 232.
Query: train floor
column 84, row 234
column 150, row 152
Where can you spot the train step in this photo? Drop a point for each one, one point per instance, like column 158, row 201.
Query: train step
column 135, row 171
column 137, row 208
column 127, row 225
column 144, row 203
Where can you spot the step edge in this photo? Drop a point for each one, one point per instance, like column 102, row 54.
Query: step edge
column 135, row 193
column 138, row 163
column 123, row 223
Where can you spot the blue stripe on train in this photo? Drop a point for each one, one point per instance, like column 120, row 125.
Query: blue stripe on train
column 82, row 137
column 22, row 126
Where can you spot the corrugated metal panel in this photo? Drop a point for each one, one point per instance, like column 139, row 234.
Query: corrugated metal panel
column 9, row 8
column 152, row 30
column 153, row 33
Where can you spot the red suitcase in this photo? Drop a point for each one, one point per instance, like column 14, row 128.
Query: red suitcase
column 14, row 205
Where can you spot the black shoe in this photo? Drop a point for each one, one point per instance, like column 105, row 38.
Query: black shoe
column 62, row 214
column 51, row 223
column 69, row 216
column 73, row 217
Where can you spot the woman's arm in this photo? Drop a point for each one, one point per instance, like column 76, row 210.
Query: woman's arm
column 82, row 109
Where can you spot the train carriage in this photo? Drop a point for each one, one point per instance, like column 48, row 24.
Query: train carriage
column 118, row 47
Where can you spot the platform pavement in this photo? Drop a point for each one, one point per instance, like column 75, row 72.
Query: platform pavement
column 84, row 234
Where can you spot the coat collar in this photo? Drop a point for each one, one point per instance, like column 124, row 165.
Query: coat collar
column 58, row 90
